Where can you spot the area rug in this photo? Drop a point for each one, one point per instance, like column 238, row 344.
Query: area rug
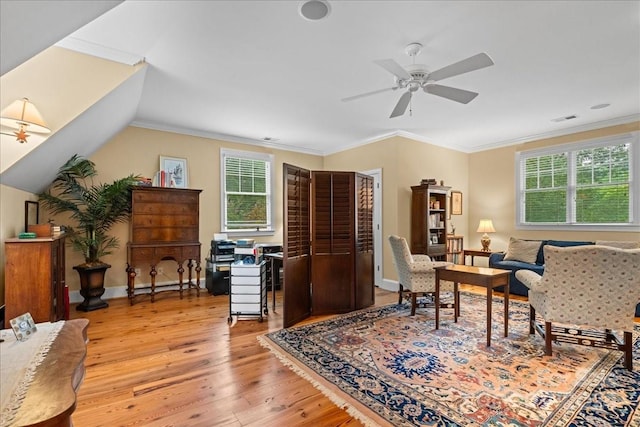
column 387, row 368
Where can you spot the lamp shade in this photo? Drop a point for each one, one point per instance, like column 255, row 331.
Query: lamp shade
column 22, row 113
column 486, row 226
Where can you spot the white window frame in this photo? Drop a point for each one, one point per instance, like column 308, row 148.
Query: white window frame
column 269, row 158
column 571, row 149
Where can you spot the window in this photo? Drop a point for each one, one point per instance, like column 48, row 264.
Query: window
column 246, row 191
column 590, row 185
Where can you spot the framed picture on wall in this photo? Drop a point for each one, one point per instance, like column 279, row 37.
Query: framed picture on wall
column 176, row 170
column 456, row 203
column 31, row 213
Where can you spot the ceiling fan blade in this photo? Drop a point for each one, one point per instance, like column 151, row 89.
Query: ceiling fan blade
column 402, row 105
column 362, row 95
column 452, row 93
column 394, row 68
column 475, row 62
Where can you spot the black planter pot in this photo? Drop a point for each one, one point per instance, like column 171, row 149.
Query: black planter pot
column 92, row 286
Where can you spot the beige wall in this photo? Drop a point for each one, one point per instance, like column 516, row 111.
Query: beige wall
column 492, row 192
column 405, row 162
column 11, row 221
column 72, row 84
column 486, row 180
column 137, row 151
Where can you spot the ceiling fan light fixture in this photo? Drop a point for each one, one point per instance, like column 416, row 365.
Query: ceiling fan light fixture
column 314, row 10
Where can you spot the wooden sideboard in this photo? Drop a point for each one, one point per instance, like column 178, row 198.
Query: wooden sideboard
column 164, row 226
column 35, row 278
column 51, row 397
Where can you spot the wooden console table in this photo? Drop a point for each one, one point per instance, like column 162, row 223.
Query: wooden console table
column 164, row 226
column 51, row 396
column 474, row 253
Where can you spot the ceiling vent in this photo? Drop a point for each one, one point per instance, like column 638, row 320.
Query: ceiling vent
column 565, row 118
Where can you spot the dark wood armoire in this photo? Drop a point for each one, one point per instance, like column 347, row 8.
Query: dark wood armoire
column 328, row 242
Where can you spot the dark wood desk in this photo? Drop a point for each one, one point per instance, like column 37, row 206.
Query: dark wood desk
column 51, row 397
column 474, row 253
column 276, row 262
column 489, row 278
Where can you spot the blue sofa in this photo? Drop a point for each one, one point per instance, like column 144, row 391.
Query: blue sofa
column 516, row 287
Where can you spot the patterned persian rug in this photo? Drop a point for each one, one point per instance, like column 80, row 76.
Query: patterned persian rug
column 388, row 368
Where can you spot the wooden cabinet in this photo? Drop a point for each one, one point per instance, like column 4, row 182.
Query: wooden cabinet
column 328, row 255
column 35, row 278
column 164, row 226
column 429, row 220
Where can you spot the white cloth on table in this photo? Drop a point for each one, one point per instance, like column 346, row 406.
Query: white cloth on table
column 18, row 363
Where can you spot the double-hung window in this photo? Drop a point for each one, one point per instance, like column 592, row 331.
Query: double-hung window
column 246, row 191
column 590, row 185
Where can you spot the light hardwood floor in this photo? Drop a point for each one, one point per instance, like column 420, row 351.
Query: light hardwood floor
column 178, row 363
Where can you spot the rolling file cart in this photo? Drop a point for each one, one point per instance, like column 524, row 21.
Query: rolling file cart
column 248, row 293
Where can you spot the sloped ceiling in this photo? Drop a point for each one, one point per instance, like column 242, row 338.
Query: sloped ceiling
column 83, row 136
column 246, row 70
column 29, row 27
column 256, row 69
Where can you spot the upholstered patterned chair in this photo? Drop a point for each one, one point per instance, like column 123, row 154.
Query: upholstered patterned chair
column 591, row 291
column 416, row 274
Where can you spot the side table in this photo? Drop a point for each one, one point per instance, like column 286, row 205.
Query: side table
column 474, row 253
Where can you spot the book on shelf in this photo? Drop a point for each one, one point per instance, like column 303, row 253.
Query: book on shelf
column 164, row 179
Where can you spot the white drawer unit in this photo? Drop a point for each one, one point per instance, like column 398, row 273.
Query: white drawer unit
column 248, row 291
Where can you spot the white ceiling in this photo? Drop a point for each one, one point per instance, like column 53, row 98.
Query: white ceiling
column 246, row 70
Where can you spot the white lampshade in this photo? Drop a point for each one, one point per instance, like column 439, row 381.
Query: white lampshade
column 486, row 226
column 22, row 113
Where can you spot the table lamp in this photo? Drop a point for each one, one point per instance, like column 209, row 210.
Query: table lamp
column 485, row 226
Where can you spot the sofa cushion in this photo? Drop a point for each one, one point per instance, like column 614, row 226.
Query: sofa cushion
column 522, row 250
column 567, row 243
column 519, row 265
column 619, row 244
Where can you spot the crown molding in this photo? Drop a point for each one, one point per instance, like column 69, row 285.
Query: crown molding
column 222, row 137
column 104, row 52
column 401, row 133
column 560, row 132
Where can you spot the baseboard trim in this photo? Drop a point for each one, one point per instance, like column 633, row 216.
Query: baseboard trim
column 121, row 291
column 390, row 285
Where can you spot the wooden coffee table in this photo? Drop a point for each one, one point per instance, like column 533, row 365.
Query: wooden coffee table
column 490, row 278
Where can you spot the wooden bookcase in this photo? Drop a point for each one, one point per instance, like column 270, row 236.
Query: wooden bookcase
column 429, row 220
column 455, row 249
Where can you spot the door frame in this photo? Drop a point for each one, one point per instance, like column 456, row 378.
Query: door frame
column 377, row 225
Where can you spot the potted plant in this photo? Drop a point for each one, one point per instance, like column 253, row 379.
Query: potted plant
column 94, row 208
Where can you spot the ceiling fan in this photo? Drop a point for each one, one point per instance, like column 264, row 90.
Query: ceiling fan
column 416, row 77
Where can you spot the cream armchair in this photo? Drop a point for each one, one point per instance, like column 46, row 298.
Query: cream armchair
column 416, row 274
column 594, row 289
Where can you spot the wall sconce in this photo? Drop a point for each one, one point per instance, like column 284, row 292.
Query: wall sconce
column 485, row 226
column 22, row 115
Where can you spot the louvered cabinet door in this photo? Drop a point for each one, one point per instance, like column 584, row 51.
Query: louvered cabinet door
column 364, row 257
column 297, row 247
column 333, row 242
